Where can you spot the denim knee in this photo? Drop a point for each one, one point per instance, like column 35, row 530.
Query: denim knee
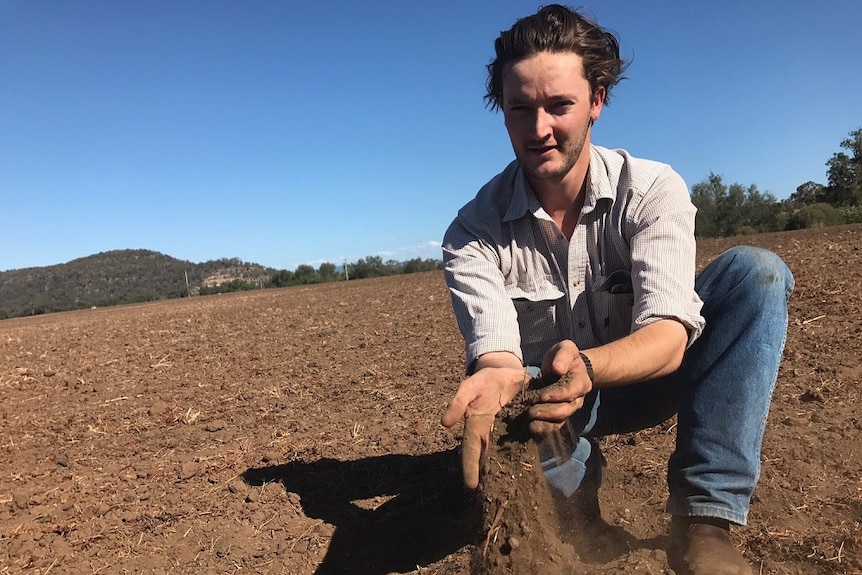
column 760, row 268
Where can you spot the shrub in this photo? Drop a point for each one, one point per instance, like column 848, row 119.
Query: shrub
column 814, row 216
column 851, row 214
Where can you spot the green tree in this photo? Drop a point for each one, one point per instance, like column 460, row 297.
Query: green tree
column 326, row 272
column 305, row 274
column 731, row 210
column 762, row 211
column 419, row 265
column 281, row 278
column 706, row 196
column 393, row 267
column 845, row 173
column 809, row 193
column 369, row 267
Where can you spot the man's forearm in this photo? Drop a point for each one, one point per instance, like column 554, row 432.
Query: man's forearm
column 653, row 351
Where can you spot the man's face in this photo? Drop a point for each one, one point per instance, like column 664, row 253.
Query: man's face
column 548, row 111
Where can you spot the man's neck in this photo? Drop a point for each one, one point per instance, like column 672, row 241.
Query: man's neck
column 563, row 199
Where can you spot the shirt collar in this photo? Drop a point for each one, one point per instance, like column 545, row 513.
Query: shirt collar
column 522, row 200
column 599, row 178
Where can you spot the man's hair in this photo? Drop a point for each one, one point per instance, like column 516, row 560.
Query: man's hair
column 557, row 29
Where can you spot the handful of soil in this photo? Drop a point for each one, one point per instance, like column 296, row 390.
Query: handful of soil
column 522, row 531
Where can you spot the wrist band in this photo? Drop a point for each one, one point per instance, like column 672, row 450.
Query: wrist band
column 589, row 365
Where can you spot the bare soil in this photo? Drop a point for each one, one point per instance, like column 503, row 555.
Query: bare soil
column 297, row 431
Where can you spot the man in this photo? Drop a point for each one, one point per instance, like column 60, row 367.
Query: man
column 581, row 260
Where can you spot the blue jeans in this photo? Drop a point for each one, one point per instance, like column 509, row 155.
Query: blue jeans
column 721, row 392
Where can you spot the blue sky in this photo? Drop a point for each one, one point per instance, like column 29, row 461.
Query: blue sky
column 288, row 132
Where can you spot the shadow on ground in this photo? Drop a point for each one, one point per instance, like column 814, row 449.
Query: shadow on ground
column 391, row 513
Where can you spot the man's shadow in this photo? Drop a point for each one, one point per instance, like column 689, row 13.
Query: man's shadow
column 428, row 514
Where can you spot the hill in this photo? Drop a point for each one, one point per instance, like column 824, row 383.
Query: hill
column 116, row 277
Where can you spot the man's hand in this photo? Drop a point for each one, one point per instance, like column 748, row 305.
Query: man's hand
column 562, row 399
column 478, row 400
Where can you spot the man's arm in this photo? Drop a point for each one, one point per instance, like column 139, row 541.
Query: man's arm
column 488, row 322
column 652, row 351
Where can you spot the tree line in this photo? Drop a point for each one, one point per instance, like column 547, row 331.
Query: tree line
column 730, row 210
column 368, row 267
column 305, row 274
column 126, row 276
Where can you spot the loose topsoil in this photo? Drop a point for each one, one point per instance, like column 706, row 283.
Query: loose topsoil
column 297, row 431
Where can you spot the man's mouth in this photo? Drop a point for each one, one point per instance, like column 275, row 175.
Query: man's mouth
column 540, row 150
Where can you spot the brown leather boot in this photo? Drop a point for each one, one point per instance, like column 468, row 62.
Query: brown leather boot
column 702, row 546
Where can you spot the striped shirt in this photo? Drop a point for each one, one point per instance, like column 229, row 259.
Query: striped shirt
column 518, row 285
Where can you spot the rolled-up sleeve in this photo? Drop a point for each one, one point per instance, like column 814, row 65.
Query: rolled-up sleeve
column 485, row 313
column 663, row 255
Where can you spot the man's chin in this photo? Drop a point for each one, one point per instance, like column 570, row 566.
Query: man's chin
column 545, row 172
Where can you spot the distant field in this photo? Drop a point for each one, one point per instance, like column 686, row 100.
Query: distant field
column 297, row 431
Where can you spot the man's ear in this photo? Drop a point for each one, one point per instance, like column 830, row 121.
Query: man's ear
column 597, row 103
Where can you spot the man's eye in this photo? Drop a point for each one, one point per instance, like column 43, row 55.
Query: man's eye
column 561, row 107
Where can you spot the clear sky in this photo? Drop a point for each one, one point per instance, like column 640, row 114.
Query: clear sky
column 290, row 132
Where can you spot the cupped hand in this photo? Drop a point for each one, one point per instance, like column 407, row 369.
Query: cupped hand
column 478, row 400
column 562, row 399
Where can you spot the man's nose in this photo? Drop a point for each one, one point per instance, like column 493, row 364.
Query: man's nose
column 542, row 125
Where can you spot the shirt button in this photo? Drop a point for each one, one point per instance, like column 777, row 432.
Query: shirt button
column 576, row 283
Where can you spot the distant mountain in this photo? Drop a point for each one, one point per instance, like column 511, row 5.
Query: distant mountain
column 116, row 277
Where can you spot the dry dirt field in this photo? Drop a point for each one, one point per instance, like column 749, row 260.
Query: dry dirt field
column 297, row 431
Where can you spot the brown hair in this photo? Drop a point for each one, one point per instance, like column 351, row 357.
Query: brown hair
column 557, row 29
